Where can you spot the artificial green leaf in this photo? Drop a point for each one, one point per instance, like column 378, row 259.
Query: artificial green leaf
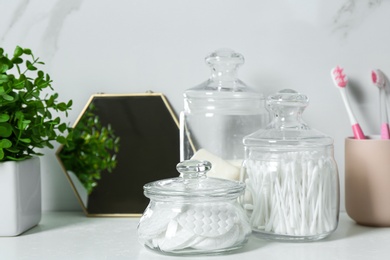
column 7, row 97
column 22, row 77
column 1, row 154
column 43, row 84
column 4, row 118
column 13, row 150
column 18, row 51
column 17, row 60
column 49, row 102
column 57, row 120
column 30, row 66
column 19, row 115
column 18, row 84
column 35, row 94
column 3, row 67
column 28, row 85
column 25, row 140
column 5, row 143
column 5, row 60
column 38, row 81
column 49, row 145
column 27, row 51
column 47, row 114
column 62, row 127
column 3, row 78
column 22, row 124
column 12, row 158
column 5, row 129
column 62, row 106
column 61, row 139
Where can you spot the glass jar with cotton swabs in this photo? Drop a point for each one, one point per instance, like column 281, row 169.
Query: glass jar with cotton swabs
column 292, row 183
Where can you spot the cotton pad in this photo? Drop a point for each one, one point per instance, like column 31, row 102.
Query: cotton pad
column 221, row 168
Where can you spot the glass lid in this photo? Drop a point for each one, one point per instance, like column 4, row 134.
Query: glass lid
column 287, row 128
column 193, row 183
column 223, row 81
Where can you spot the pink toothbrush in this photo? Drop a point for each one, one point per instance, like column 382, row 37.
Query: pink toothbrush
column 378, row 78
column 341, row 81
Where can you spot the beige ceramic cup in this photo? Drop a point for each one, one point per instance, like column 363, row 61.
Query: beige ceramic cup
column 367, row 181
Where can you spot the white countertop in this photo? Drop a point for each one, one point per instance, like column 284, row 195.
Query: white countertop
column 71, row 235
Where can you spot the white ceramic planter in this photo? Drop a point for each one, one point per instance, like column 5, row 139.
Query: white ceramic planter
column 20, row 196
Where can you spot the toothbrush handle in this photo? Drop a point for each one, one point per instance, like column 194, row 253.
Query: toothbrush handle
column 383, row 115
column 385, row 131
column 357, row 132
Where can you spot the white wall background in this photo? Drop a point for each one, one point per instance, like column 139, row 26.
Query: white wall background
column 131, row 46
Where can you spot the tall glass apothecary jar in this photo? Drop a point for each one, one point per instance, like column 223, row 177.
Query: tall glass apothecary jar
column 219, row 112
column 291, row 176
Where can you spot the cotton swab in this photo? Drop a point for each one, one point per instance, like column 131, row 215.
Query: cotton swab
column 294, row 197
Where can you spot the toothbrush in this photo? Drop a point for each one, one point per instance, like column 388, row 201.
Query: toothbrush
column 341, row 81
column 378, row 78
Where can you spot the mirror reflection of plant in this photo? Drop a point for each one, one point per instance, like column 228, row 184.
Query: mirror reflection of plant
column 26, row 120
column 91, row 149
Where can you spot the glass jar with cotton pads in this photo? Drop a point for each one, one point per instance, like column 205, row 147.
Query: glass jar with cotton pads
column 193, row 214
column 292, row 184
column 219, row 112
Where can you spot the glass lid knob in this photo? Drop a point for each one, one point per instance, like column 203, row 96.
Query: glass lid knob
column 192, row 169
column 288, row 97
column 226, row 57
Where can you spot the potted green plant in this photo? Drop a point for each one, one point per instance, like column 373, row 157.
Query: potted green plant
column 27, row 123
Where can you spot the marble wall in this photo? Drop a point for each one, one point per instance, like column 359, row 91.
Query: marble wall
column 131, row 46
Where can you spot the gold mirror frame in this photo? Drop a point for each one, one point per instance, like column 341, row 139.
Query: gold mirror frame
column 147, row 123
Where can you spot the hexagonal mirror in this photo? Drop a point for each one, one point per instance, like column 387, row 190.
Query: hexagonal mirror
column 119, row 143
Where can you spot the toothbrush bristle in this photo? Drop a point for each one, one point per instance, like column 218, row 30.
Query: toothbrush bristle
column 374, row 77
column 339, row 77
column 378, row 78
